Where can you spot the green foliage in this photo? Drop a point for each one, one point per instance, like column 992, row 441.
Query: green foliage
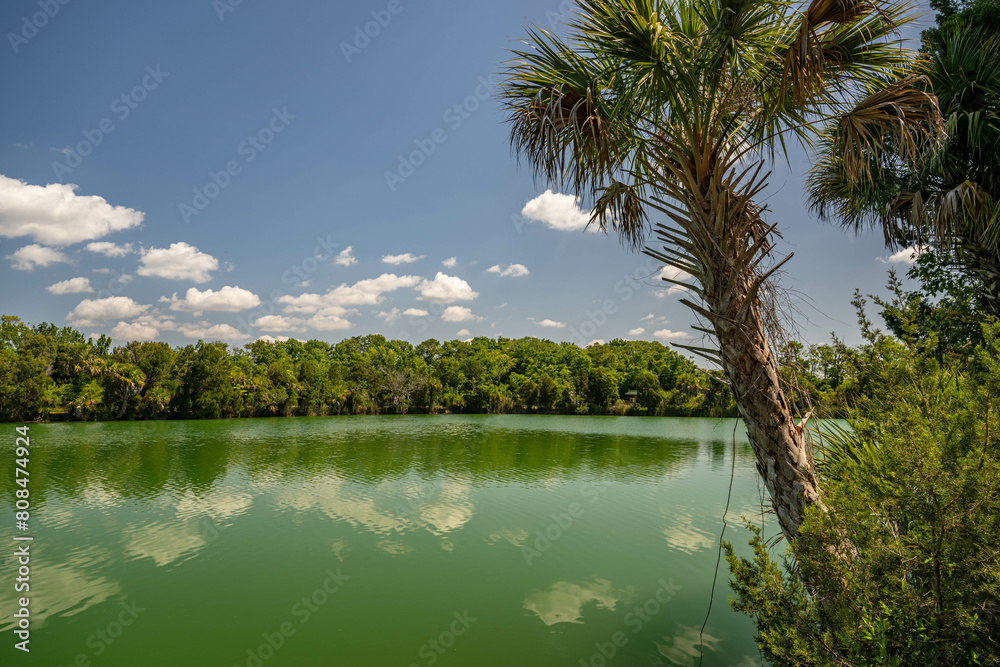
column 952, row 14
column 904, row 567
column 948, row 198
column 51, row 372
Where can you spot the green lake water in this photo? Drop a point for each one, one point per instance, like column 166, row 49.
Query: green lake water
column 482, row 541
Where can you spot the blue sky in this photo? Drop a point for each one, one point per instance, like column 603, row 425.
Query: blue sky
column 225, row 156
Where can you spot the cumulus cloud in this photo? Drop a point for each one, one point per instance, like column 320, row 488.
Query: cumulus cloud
column 558, row 211
column 279, row 323
column 416, row 312
column 329, row 321
column 111, row 308
column 596, row 341
column 647, row 317
column 446, row 289
column 389, row 316
column 905, row 256
column 459, row 314
column 226, row 300
column 673, row 273
column 71, row 286
column 273, row 339
column 464, row 333
column 667, row 334
column 638, row 331
column 30, row 256
column 180, row 261
column 134, row 331
column 109, row 249
column 509, row 271
column 552, row 324
column 55, row 215
column 362, row 293
column 405, row 258
column 450, row 262
column 208, row 331
column 345, row 258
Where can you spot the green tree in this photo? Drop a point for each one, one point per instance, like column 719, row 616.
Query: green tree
column 675, row 107
column 915, row 483
column 948, row 197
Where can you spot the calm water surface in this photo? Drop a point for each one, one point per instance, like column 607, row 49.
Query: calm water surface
column 398, row 541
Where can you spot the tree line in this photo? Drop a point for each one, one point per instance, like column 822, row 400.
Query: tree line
column 48, row 372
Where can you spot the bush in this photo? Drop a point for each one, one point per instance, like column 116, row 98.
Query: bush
column 904, row 566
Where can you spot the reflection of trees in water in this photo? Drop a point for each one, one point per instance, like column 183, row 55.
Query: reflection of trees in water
column 141, row 459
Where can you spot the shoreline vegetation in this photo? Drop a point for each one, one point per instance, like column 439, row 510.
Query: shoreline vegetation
column 49, row 373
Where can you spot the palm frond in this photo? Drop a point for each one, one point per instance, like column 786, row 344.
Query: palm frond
column 621, row 206
column 900, row 120
column 843, row 453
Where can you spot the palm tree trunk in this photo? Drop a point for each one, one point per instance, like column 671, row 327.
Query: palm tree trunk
column 778, row 444
column 725, row 244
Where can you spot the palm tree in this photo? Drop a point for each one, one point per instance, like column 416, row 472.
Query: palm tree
column 674, row 107
column 948, row 198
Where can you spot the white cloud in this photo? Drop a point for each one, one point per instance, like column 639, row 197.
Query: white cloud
column 416, row 312
column 905, row 256
column 552, row 324
column 279, row 323
column 509, row 271
column 450, row 262
column 71, row 286
column 111, row 308
column 109, row 249
column 459, row 314
column 405, row 258
column 56, row 215
column 180, row 261
column 329, row 322
column 667, row 334
column 464, row 332
column 208, row 331
column 345, row 258
column 226, row 300
column 390, row 316
column 673, row 273
column 446, row 289
column 135, row 331
column 362, row 293
column 638, row 331
column 30, row 256
column 273, row 339
column 558, row 211
column 647, row 317
column 596, row 341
